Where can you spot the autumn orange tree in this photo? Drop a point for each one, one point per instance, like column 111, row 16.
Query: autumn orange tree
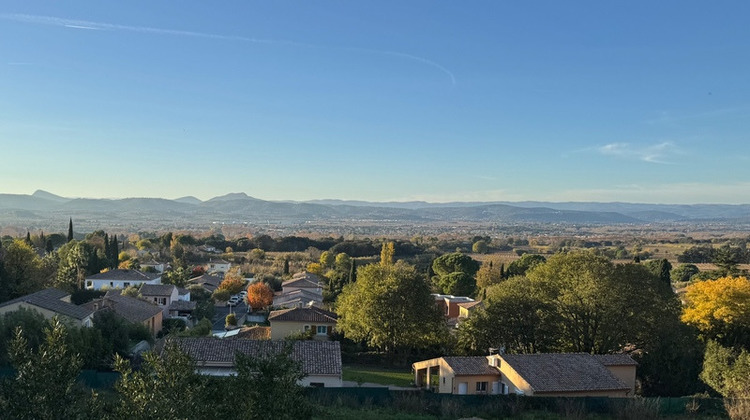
column 259, row 295
column 233, row 281
column 720, row 309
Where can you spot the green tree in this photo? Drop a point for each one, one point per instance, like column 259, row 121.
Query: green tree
column 488, row 275
column 517, row 316
column 327, row 259
column 44, row 386
column 683, row 273
column 455, row 274
column 179, row 276
column 457, row 284
column 480, row 247
column 165, row 387
column 726, row 370
column 603, row 307
column 22, row 270
column 412, row 320
column 270, row 387
column 70, row 230
column 387, row 252
column 520, row 266
column 661, row 269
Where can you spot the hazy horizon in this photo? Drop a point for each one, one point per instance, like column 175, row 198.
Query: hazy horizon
column 644, row 102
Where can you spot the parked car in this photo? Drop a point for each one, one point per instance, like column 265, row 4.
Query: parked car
column 234, row 300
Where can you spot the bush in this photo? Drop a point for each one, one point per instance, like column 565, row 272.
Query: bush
column 231, row 320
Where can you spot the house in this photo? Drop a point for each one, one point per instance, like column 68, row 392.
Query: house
column 449, row 304
column 157, row 266
column 289, row 321
column 120, row 279
column 546, row 374
column 162, row 295
column 321, row 360
column 207, row 281
column 465, row 309
column 300, row 298
column 303, row 280
column 50, row 303
column 131, row 309
column 217, row 265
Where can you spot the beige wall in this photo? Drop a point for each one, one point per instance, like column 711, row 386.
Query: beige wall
column 471, row 382
column 46, row 313
column 328, row 381
column 154, row 323
column 282, row 329
column 626, row 374
column 513, row 380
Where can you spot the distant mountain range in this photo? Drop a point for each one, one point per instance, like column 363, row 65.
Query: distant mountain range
column 241, row 208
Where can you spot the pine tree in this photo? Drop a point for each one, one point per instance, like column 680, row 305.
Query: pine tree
column 70, row 230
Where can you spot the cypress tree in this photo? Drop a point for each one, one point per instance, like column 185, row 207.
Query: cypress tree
column 49, row 248
column 115, row 251
column 28, row 237
column 41, row 237
column 70, row 230
column 353, row 272
column 502, row 271
column 107, row 250
column 286, row 266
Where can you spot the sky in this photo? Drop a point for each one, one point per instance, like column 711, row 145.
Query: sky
column 637, row 101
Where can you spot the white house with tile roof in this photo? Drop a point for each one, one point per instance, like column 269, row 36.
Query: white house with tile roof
column 321, row 360
column 50, row 303
column 120, row 279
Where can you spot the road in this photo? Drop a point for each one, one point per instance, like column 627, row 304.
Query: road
column 222, row 312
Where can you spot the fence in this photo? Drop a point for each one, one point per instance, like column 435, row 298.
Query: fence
column 494, row 406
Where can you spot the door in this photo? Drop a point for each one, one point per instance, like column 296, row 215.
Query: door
column 463, row 388
column 495, row 387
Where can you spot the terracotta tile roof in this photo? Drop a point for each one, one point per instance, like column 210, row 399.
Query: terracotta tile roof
column 563, row 372
column 157, row 289
column 476, row 365
column 132, row 309
column 311, row 314
column 120, row 274
column 51, row 299
column 469, row 305
column 317, row 357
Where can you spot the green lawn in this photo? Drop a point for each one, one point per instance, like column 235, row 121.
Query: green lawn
column 377, row 375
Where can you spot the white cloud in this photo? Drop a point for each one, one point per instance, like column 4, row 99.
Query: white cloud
column 656, row 153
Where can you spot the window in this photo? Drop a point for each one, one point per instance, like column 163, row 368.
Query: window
column 307, row 328
column 317, row 385
column 126, row 284
column 481, row 387
column 162, row 301
column 322, row 330
column 111, row 284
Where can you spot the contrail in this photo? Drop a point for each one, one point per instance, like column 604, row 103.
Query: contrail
column 102, row 26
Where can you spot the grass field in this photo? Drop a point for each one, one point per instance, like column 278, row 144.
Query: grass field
column 377, row 375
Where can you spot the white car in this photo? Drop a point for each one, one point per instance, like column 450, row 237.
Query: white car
column 234, row 300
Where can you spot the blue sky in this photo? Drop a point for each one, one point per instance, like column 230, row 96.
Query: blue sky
column 637, row 101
